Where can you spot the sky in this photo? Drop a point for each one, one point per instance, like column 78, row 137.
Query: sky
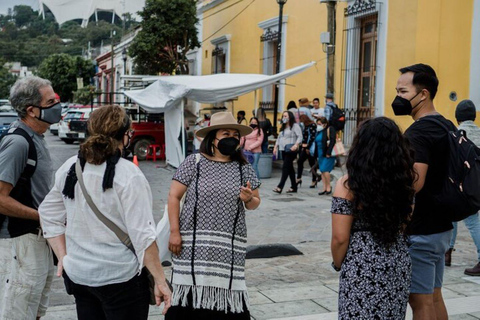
column 5, row 4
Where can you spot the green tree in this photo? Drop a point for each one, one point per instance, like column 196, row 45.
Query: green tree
column 6, row 81
column 168, row 33
column 62, row 70
column 23, row 15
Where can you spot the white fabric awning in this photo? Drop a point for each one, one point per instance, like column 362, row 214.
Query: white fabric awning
column 168, row 91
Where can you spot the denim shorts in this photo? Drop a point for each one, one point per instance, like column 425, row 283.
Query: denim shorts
column 428, row 260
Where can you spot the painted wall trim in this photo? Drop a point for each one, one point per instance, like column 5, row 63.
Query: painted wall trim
column 380, row 102
column 273, row 22
column 221, row 39
column 474, row 89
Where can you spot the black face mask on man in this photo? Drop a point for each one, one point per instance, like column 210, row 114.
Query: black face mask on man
column 228, row 146
column 402, row 106
column 50, row 115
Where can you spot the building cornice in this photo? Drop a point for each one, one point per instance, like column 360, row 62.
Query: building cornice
column 207, row 6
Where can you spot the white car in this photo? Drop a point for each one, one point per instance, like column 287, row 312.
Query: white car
column 54, row 127
column 64, row 132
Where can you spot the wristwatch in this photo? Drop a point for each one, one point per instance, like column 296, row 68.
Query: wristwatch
column 335, row 267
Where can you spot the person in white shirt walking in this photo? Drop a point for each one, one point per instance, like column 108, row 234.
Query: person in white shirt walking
column 107, row 278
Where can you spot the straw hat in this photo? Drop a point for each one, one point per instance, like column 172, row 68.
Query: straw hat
column 224, row 120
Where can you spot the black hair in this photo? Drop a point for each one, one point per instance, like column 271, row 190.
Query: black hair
column 291, row 105
column 207, row 147
column 424, row 77
column 380, row 178
column 291, row 120
column 242, row 113
column 258, row 124
column 316, row 99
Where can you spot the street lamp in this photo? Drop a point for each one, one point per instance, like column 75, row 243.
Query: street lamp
column 281, row 3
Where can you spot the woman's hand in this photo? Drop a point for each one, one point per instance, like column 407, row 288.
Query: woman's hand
column 294, row 148
column 304, row 145
column 246, row 193
column 60, row 266
column 175, row 242
column 162, row 294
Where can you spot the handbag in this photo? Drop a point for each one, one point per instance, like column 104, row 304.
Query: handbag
column 338, row 148
column 288, row 148
column 124, row 238
column 249, row 156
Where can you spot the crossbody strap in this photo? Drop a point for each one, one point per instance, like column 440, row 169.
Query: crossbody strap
column 124, row 238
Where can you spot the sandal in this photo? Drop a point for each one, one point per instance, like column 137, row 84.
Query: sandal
column 277, row 190
column 291, row 190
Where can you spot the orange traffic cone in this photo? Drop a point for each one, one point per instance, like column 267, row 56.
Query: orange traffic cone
column 135, row 160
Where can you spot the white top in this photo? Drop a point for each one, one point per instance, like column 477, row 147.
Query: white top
column 95, row 256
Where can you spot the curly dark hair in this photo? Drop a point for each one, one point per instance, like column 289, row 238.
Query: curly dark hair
column 380, row 178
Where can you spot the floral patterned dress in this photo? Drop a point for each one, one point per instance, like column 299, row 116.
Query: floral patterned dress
column 374, row 280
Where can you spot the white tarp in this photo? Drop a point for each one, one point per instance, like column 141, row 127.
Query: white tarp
column 66, row 10
column 166, row 94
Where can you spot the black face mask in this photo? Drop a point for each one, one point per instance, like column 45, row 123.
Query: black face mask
column 253, row 126
column 228, row 146
column 402, row 106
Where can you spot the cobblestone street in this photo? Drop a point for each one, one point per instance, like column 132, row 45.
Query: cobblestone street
column 296, row 287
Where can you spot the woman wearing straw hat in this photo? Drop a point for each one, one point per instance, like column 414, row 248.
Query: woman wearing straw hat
column 208, row 234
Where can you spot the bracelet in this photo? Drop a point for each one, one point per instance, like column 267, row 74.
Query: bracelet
column 249, row 200
column 335, row 267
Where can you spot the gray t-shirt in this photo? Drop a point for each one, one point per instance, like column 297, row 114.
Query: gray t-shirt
column 13, row 159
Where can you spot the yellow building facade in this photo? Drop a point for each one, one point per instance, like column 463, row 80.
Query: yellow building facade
column 373, row 39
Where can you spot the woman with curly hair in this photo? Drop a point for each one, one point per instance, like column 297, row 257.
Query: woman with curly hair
column 370, row 209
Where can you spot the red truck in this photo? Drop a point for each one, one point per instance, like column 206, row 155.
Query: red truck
column 148, row 129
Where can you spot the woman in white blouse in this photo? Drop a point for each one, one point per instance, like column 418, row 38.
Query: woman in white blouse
column 288, row 142
column 107, row 278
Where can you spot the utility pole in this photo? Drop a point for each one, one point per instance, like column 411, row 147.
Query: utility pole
column 331, row 27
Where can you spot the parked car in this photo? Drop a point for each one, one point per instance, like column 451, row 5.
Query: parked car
column 65, row 133
column 6, row 118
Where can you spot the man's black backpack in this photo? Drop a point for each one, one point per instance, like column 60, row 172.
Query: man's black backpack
column 337, row 119
column 22, row 191
column 460, row 193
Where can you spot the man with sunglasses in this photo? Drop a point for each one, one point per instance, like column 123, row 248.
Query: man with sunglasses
column 26, row 176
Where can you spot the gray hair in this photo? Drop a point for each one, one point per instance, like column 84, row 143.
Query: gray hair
column 26, row 92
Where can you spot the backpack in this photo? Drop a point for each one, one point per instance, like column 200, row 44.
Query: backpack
column 22, row 191
column 460, row 193
column 337, row 120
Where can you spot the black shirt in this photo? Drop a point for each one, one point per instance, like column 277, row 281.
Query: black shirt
column 430, row 143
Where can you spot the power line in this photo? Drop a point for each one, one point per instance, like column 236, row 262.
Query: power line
column 229, row 21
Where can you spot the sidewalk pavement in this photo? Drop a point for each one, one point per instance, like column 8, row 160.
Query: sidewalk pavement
column 300, row 287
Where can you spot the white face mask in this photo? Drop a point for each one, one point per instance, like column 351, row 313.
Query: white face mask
column 319, row 128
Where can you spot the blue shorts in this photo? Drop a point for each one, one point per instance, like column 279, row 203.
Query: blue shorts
column 428, row 260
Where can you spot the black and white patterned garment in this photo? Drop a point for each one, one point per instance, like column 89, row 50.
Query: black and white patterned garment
column 374, row 280
column 217, row 280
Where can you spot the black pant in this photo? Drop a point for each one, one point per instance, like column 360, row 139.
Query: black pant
column 301, row 159
column 288, row 170
column 121, row 301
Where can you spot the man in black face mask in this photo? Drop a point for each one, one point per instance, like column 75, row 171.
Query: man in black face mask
column 26, row 176
column 430, row 227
